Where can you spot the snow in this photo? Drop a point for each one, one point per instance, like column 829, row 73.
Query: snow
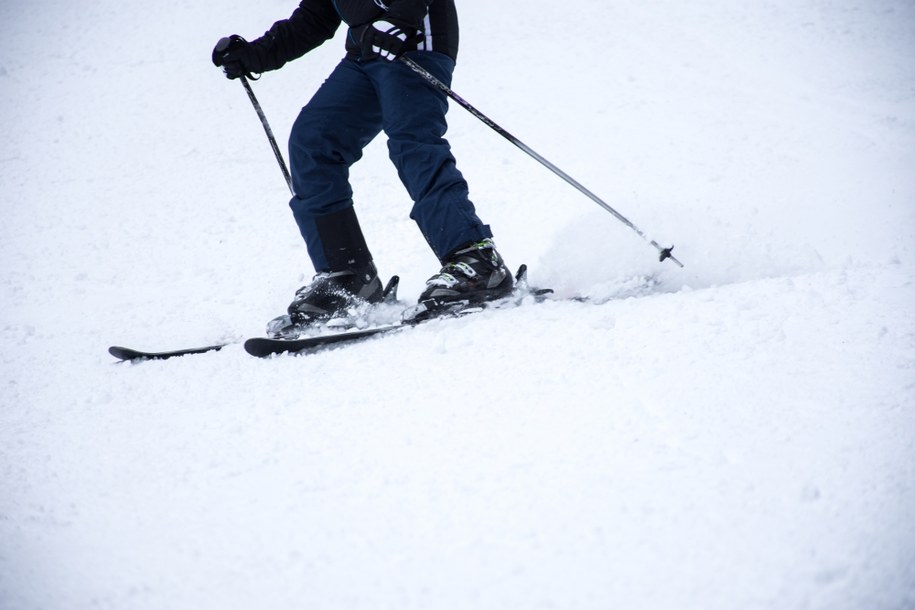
column 741, row 435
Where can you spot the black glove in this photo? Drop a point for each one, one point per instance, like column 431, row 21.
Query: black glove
column 387, row 40
column 238, row 57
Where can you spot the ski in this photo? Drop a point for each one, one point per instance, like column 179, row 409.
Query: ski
column 420, row 313
column 263, row 347
column 129, row 355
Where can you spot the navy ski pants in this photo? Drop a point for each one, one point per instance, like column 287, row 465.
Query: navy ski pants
column 358, row 101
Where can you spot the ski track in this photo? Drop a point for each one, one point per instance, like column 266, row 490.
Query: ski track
column 736, row 434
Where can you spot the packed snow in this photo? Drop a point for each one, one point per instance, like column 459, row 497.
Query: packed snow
column 739, row 433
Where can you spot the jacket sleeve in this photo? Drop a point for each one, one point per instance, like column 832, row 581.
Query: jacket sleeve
column 408, row 12
column 311, row 24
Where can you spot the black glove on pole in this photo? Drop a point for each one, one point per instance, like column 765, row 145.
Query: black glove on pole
column 230, row 55
column 237, row 57
column 430, row 78
column 388, row 40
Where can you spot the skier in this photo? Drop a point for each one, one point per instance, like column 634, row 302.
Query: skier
column 366, row 93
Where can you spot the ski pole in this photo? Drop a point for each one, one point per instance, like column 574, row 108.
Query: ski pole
column 430, row 78
column 263, row 118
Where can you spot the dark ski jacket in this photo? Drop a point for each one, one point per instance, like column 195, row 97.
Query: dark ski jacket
column 316, row 21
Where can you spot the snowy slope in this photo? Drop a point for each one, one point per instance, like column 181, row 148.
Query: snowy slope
column 740, row 436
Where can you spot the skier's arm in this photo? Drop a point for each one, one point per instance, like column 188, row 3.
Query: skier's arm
column 311, row 24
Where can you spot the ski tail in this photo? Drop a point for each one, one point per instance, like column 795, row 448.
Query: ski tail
column 127, row 354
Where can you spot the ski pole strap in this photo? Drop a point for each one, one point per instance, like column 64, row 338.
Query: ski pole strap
column 273, row 145
column 665, row 253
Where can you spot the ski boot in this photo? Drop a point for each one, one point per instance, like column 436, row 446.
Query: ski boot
column 340, row 296
column 470, row 276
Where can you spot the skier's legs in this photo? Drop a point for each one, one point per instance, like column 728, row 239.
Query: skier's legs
column 326, row 139
column 414, row 121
